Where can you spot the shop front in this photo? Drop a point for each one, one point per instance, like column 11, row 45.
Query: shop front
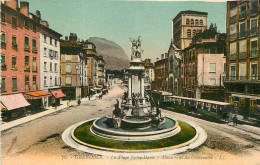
column 38, row 99
column 56, row 96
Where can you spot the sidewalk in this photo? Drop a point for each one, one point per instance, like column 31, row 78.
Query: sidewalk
column 14, row 123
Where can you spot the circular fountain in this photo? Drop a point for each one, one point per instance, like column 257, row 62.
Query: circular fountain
column 137, row 127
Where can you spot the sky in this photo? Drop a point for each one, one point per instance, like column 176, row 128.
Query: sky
column 117, row 20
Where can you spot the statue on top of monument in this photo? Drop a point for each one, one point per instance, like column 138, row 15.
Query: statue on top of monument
column 136, row 48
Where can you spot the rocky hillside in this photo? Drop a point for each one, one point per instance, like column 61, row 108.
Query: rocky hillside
column 113, row 54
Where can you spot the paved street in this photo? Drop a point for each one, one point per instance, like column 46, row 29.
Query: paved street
column 41, row 138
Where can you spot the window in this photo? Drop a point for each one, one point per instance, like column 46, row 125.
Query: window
column 68, row 81
column 187, row 21
column 14, row 22
column 56, row 42
column 45, row 66
column 254, row 48
column 233, row 50
column 26, row 24
column 196, row 22
column 27, row 65
column 51, row 81
column 26, row 42
column 3, row 85
column 242, row 11
column 45, row 81
column 34, row 82
column 56, row 81
column 224, row 68
column 68, row 68
column 51, row 66
column 242, row 71
column 14, row 83
column 232, row 72
column 34, row 28
column 3, row 65
column 253, row 29
column 242, row 49
column 192, row 21
column 45, row 38
column 14, row 63
column 55, row 67
column 254, row 72
column 2, row 17
column 188, row 33
column 34, row 64
column 254, row 7
column 194, row 32
column 26, row 82
column 50, row 41
column 242, row 29
column 3, row 38
column 14, row 43
column 212, row 81
column 233, row 31
column 34, row 43
column 50, row 53
column 45, row 51
column 201, row 22
column 212, row 67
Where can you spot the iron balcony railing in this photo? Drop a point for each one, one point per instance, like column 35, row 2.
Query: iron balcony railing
column 242, row 55
column 254, row 53
column 232, row 37
column 253, row 31
column 242, row 15
column 232, row 56
column 252, row 78
column 232, row 19
column 242, row 34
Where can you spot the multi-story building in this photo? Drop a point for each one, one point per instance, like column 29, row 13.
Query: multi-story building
column 203, row 66
column 186, row 25
column 161, row 70
column 174, row 69
column 50, row 62
column 73, row 67
column 101, row 72
column 148, row 74
column 243, row 43
column 20, row 51
column 92, row 68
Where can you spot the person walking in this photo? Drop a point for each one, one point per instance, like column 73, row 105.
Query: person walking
column 79, row 102
column 235, row 120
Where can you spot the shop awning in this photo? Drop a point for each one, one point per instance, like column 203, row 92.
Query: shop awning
column 14, row 101
column 37, row 95
column 58, row 93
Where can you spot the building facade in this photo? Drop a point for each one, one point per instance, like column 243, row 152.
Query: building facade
column 148, row 74
column 203, row 66
column 101, row 72
column 243, row 43
column 161, row 71
column 186, row 25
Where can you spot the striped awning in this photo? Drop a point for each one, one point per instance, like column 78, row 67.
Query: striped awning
column 14, row 101
column 58, row 93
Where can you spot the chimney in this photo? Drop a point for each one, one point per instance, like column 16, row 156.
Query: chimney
column 12, row 3
column 73, row 37
column 24, row 8
column 66, row 38
column 38, row 14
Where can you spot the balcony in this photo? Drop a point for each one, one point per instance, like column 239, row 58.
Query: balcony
column 232, row 19
column 243, row 79
column 242, row 34
column 242, row 55
column 232, row 37
column 253, row 31
column 3, row 45
column 27, row 68
column 34, row 50
column 27, row 48
column 242, row 15
column 3, row 67
column 232, row 56
column 254, row 54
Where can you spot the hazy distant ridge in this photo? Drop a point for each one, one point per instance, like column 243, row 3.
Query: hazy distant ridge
column 113, row 54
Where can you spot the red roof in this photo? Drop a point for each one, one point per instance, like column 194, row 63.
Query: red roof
column 14, row 101
column 58, row 93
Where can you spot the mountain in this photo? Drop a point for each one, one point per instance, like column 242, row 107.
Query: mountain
column 113, row 54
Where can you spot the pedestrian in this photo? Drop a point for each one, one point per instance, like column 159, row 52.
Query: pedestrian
column 235, row 120
column 88, row 96
column 79, row 102
column 101, row 96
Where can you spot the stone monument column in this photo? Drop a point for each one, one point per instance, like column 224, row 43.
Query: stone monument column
column 142, row 88
column 129, row 88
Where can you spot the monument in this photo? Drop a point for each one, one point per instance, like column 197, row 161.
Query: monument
column 134, row 127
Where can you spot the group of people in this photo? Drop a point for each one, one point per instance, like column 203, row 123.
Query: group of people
column 100, row 96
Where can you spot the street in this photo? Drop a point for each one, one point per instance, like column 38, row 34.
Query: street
column 41, row 138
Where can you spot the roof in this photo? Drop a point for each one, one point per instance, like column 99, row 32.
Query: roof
column 189, row 12
column 14, row 101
